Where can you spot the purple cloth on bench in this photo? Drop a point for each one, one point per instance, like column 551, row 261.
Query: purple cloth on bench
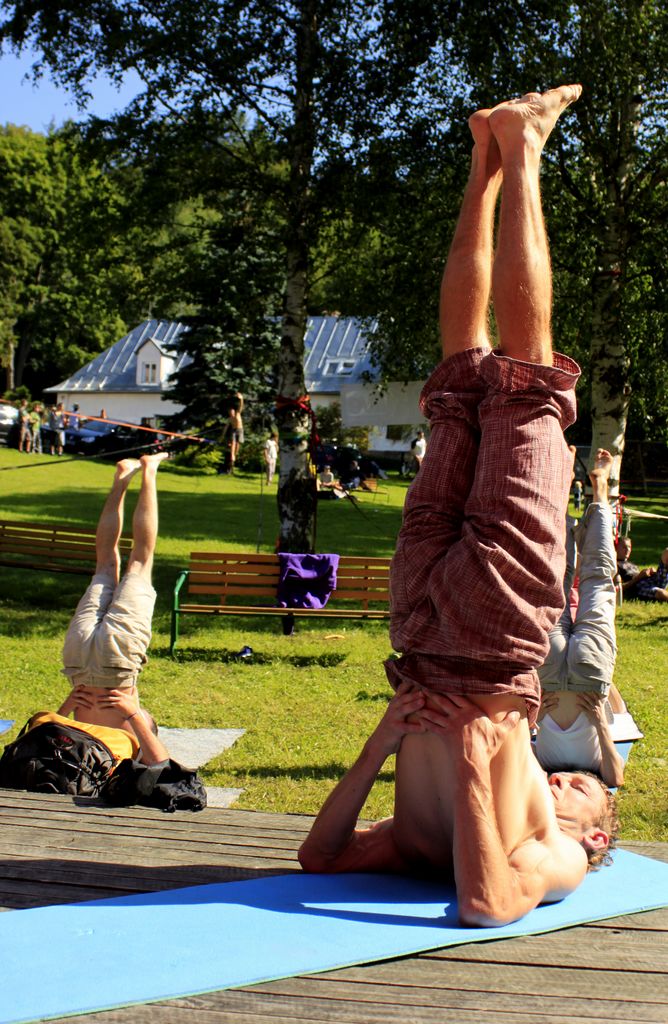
column 305, row 581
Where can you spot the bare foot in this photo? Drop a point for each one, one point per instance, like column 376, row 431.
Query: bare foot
column 486, row 152
column 151, row 462
column 600, row 474
column 126, row 469
column 603, row 461
column 531, row 118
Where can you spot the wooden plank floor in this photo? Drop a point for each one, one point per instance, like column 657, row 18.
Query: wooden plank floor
column 53, row 851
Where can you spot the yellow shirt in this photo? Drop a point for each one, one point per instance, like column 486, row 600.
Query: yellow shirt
column 120, row 742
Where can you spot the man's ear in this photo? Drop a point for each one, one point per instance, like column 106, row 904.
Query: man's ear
column 595, row 839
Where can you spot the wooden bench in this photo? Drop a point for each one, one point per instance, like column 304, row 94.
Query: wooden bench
column 359, row 580
column 50, row 547
column 370, row 485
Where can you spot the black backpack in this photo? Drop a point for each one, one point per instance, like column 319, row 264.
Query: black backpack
column 53, row 758
column 166, row 785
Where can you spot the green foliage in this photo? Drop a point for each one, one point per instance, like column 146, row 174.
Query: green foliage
column 70, row 261
column 16, row 394
column 197, row 459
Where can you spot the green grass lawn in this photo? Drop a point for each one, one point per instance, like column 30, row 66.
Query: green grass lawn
column 308, row 701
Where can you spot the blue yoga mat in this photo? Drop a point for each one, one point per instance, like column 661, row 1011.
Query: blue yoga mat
column 5, row 725
column 83, row 957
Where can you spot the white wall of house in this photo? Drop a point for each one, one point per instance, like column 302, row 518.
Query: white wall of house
column 365, row 405
column 128, row 407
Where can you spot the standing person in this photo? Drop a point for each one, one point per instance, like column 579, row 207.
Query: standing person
column 58, row 422
column 579, row 701
column 25, row 435
column 419, row 449
column 107, row 639
column 235, row 428
column 36, row 417
column 270, row 452
column 477, row 577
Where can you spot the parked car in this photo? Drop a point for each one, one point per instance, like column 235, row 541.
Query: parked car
column 9, row 425
column 97, row 438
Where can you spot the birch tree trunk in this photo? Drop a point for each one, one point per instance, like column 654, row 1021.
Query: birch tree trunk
column 296, row 485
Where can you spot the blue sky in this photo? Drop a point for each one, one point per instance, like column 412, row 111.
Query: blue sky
column 37, row 107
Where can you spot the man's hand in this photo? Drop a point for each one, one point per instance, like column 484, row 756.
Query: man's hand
column 126, row 701
column 407, row 703
column 548, row 702
column 467, row 726
column 79, row 697
column 593, row 705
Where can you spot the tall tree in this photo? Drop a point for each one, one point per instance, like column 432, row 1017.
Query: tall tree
column 70, row 265
column 322, row 78
column 606, row 189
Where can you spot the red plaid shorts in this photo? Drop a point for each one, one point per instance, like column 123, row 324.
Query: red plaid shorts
column 477, row 577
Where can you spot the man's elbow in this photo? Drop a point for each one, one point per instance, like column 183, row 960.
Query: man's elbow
column 614, row 778
column 487, row 913
column 313, row 860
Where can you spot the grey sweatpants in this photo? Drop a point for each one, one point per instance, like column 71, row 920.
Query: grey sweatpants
column 583, row 650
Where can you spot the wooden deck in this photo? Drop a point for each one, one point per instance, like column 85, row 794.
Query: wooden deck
column 55, row 852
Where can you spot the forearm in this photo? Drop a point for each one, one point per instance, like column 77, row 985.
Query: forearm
column 68, row 705
column 153, row 749
column 335, row 825
column 488, row 889
column 612, row 764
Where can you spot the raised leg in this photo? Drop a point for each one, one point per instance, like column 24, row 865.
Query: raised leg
column 466, row 285
column 145, row 519
column 522, row 279
column 110, row 523
column 593, row 648
column 434, row 507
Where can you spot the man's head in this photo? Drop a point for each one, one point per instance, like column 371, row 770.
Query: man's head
column 623, row 548
column 586, row 810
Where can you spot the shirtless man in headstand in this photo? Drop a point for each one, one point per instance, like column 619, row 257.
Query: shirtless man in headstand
column 477, row 577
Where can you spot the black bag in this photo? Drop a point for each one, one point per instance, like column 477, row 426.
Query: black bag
column 53, row 758
column 166, row 785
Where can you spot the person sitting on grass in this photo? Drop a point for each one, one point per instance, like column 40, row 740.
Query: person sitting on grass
column 477, row 577
column 653, row 585
column 628, row 572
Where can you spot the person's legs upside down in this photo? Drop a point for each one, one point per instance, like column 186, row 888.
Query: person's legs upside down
column 478, row 576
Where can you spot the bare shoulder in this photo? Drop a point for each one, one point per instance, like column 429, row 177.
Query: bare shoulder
column 557, row 864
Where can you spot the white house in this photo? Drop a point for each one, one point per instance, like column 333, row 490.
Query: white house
column 128, row 381
column 130, row 378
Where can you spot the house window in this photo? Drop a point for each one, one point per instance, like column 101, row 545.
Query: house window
column 149, row 373
column 396, row 432
column 344, row 367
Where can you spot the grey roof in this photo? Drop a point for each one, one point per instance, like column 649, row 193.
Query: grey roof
column 116, row 368
column 336, row 353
